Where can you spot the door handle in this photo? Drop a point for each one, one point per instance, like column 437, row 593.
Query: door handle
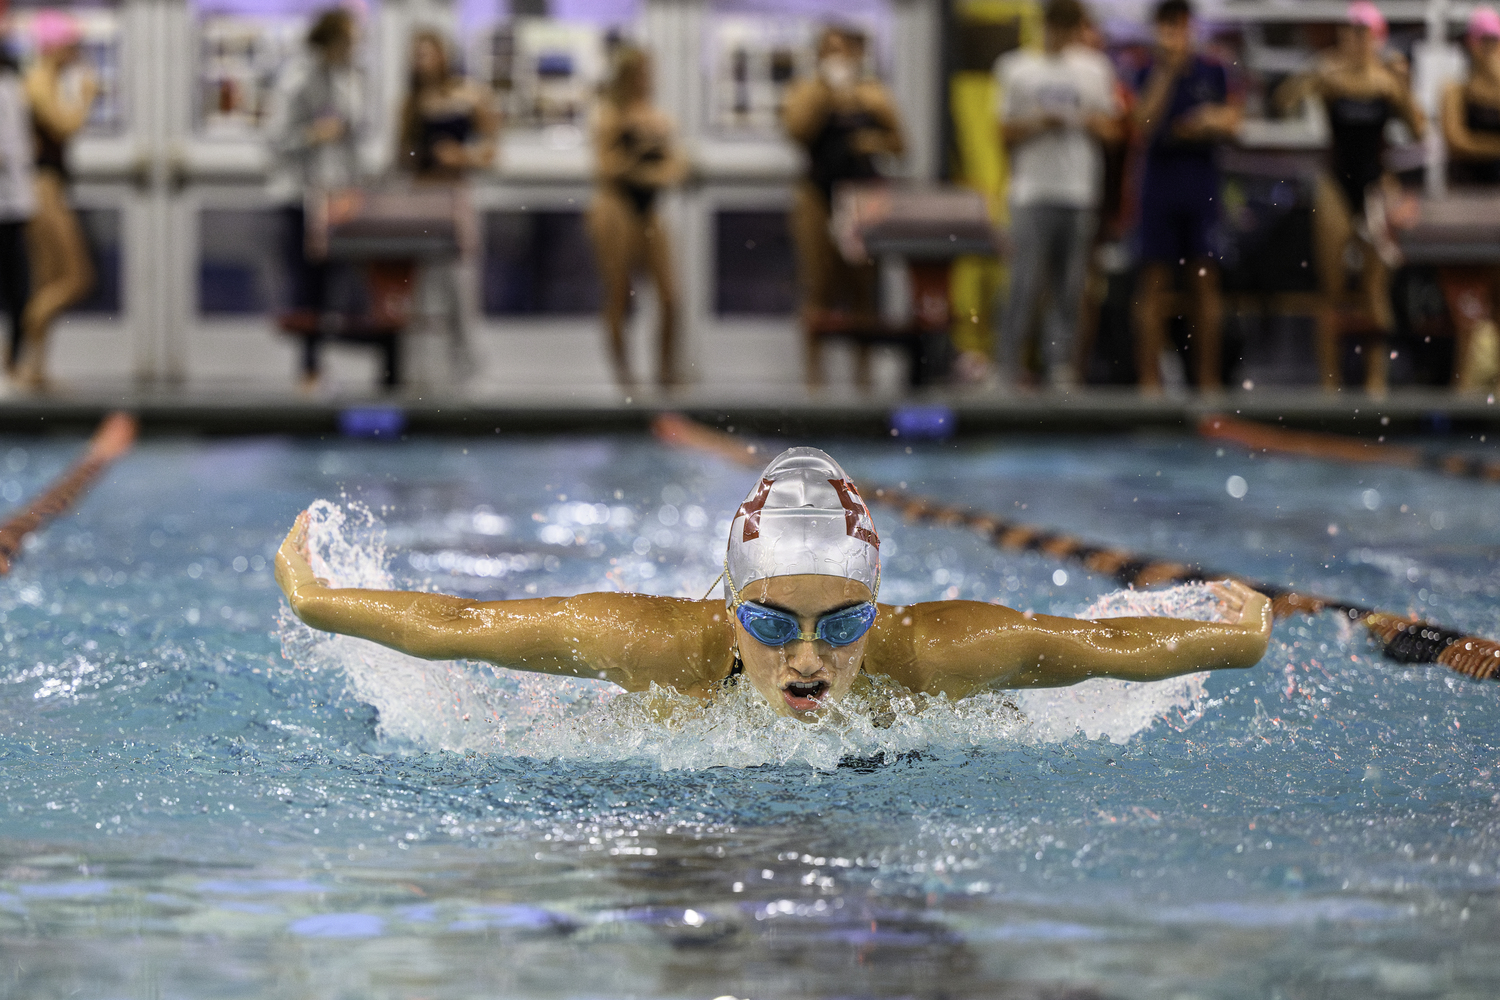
column 140, row 172
column 178, row 171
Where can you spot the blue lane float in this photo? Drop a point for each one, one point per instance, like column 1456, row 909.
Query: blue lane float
column 932, row 423
column 372, row 422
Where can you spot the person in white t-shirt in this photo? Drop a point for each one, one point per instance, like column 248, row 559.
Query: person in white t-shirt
column 1057, row 109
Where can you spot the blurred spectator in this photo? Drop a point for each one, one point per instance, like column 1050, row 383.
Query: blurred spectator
column 449, row 127
column 61, row 90
column 1471, row 109
column 1362, row 90
column 843, row 120
column 448, row 122
column 1184, row 110
column 636, row 156
column 1471, row 130
column 314, row 129
column 1057, row 111
column 17, row 199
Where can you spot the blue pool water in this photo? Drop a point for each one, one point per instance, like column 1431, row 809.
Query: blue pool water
column 203, row 799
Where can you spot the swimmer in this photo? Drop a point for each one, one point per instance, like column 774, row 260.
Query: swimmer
column 800, row 620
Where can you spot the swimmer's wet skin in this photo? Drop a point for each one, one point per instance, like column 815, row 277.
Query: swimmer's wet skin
column 802, row 575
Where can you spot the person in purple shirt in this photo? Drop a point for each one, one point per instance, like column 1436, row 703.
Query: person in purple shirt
column 1185, row 109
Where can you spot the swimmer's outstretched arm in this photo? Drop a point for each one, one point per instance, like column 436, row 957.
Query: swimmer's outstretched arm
column 960, row 647
column 629, row 639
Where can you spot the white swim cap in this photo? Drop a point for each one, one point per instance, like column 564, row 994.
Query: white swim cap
column 803, row 517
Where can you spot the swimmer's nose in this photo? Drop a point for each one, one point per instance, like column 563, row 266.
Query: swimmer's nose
column 802, row 656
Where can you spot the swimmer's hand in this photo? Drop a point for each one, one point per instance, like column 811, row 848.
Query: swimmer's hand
column 1244, row 605
column 293, row 570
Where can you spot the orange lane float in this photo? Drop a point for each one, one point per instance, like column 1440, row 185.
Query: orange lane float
column 113, row 438
column 1343, row 448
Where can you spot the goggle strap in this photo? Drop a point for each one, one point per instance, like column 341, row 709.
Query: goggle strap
column 709, row 593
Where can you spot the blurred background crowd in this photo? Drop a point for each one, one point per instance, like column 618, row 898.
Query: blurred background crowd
column 532, row 196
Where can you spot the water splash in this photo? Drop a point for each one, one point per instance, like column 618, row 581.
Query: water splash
column 472, row 707
column 346, row 546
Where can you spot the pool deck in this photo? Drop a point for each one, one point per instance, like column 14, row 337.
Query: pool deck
column 780, row 409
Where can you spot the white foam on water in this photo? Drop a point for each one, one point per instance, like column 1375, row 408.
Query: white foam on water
column 473, row 707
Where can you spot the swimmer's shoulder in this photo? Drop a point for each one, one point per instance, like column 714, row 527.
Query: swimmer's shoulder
column 681, row 617
column 929, row 619
column 690, row 642
column 926, row 646
column 909, row 642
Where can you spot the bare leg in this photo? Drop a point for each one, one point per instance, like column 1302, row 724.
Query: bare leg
column 1332, row 231
column 62, row 273
column 658, row 250
column 1155, row 282
column 809, row 226
column 1468, row 293
column 1208, row 323
column 615, row 241
column 1376, row 280
column 858, row 285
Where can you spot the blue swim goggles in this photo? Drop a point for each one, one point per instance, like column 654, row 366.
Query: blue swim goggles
column 770, row 627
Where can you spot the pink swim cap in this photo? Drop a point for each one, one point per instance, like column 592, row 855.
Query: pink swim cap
column 1484, row 23
column 55, row 29
column 1364, row 14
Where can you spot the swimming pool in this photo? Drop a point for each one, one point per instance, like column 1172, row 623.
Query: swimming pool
column 190, row 813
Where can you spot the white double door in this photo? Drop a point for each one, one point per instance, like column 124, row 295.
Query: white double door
column 133, row 325
column 148, row 184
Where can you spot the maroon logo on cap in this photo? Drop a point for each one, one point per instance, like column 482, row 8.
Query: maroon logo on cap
column 751, row 509
column 855, row 511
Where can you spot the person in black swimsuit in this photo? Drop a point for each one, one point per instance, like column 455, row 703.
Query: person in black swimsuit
column 1356, row 129
column 1362, row 89
column 1478, row 165
column 61, row 269
column 1471, row 131
column 448, row 122
column 1471, row 109
column 635, row 158
column 843, row 120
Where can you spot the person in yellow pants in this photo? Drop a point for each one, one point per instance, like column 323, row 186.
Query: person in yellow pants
column 60, row 96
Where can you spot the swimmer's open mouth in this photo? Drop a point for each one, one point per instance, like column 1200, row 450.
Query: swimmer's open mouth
column 804, row 696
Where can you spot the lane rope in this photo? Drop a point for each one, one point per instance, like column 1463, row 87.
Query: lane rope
column 1343, row 448
column 1402, row 639
column 113, row 438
